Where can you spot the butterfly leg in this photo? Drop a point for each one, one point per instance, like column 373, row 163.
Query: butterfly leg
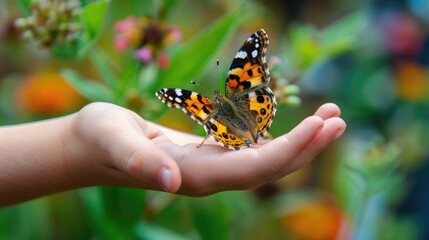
column 203, row 141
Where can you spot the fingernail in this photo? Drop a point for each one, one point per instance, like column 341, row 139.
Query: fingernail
column 165, row 179
column 339, row 133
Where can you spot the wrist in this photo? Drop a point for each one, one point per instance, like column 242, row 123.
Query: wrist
column 34, row 160
column 80, row 157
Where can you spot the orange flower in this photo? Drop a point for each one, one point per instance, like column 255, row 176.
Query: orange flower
column 413, row 83
column 315, row 220
column 47, row 93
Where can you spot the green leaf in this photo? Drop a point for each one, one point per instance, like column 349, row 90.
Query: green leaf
column 128, row 79
column 147, row 231
column 93, row 16
column 101, row 224
column 24, row 5
column 65, row 51
column 104, row 68
column 211, row 217
column 92, row 90
column 119, row 200
column 303, row 47
column 84, row 2
column 91, row 198
column 195, row 55
column 147, row 78
column 341, row 35
column 119, row 9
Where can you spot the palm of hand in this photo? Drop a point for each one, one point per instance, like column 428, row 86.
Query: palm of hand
column 138, row 151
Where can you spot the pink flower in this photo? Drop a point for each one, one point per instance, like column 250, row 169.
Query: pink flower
column 175, row 34
column 124, row 25
column 121, row 43
column 128, row 33
column 147, row 38
column 144, row 54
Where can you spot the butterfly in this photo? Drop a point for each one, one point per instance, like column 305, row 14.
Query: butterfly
column 244, row 115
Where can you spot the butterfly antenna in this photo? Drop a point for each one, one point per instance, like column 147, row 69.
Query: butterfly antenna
column 201, row 86
column 218, row 74
column 206, row 89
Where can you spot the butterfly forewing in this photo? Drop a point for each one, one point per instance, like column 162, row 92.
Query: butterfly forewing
column 249, row 68
column 197, row 106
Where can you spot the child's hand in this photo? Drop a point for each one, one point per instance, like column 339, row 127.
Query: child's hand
column 110, row 145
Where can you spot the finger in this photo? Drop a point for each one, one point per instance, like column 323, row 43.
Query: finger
column 145, row 161
column 150, row 161
column 279, row 154
column 214, row 168
column 328, row 110
column 332, row 130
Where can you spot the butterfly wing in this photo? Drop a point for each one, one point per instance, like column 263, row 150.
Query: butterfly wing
column 195, row 105
column 201, row 109
column 249, row 67
column 247, row 111
column 263, row 106
column 244, row 128
column 217, row 128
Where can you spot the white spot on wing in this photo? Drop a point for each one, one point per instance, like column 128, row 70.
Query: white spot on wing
column 241, row 54
column 254, row 53
column 179, row 92
column 178, row 100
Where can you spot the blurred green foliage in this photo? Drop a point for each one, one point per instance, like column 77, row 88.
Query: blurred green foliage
column 359, row 189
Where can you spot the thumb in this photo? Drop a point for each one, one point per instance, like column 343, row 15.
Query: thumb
column 151, row 162
column 147, row 162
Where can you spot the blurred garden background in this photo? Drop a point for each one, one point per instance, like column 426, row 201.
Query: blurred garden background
column 369, row 57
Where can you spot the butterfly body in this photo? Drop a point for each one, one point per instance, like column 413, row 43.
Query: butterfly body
column 244, row 115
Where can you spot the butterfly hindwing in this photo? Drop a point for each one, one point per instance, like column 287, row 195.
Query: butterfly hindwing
column 263, row 104
column 220, row 132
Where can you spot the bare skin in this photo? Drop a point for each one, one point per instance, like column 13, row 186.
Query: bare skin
column 104, row 144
